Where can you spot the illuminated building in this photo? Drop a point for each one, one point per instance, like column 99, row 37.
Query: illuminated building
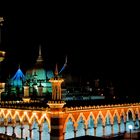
column 63, row 120
column 39, row 76
column 36, row 77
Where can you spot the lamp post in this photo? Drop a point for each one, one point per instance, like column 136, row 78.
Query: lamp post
column 130, row 128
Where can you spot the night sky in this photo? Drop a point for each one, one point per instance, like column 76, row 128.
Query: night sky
column 100, row 44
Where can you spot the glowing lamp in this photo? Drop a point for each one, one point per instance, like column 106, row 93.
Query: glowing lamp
column 130, row 126
column 26, row 99
column 2, row 85
column 2, row 56
column 1, row 19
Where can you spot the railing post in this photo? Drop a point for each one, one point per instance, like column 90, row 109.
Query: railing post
column 125, row 127
column 75, row 131
column 95, row 127
column 103, row 130
column 119, row 126
column 40, row 132
column 112, row 129
column 30, row 131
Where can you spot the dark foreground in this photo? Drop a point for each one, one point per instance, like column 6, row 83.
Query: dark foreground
column 123, row 136
column 95, row 138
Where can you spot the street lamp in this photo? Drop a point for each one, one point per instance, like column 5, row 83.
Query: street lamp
column 130, row 128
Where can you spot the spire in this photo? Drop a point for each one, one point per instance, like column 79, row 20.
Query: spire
column 56, row 70
column 40, row 50
column 19, row 66
column 39, row 59
column 65, row 64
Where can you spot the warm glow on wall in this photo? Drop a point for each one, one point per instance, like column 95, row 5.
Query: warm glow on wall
column 2, row 55
column 2, row 85
column 1, row 19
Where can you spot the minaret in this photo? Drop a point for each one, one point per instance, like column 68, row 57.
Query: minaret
column 56, row 86
column 56, row 108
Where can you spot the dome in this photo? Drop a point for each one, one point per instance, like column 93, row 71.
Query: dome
column 38, row 70
column 37, row 77
column 40, row 73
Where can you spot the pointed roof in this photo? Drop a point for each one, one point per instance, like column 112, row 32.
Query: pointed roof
column 39, row 59
column 18, row 78
column 65, row 64
column 18, row 75
column 56, row 70
column 38, row 69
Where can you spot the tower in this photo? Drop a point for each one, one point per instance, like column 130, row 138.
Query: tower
column 56, row 107
column 56, row 86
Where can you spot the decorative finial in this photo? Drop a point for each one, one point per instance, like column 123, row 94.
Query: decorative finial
column 40, row 50
column 39, row 59
column 56, row 70
column 19, row 66
column 65, row 64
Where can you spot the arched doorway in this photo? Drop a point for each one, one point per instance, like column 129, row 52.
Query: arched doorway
column 91, row 126
column 69, row 132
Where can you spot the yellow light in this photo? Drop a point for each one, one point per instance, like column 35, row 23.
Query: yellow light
column 26, row 99
column 1, row 19
column 2, row 85
column 2, row 55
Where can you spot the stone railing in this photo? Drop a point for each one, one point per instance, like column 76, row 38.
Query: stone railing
column 95, row 107
column 34, row 105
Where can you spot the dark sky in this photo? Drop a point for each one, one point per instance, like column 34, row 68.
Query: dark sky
column 98, row 43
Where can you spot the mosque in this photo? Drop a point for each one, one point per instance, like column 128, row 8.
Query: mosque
column 37, row 81
column 37, row 78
